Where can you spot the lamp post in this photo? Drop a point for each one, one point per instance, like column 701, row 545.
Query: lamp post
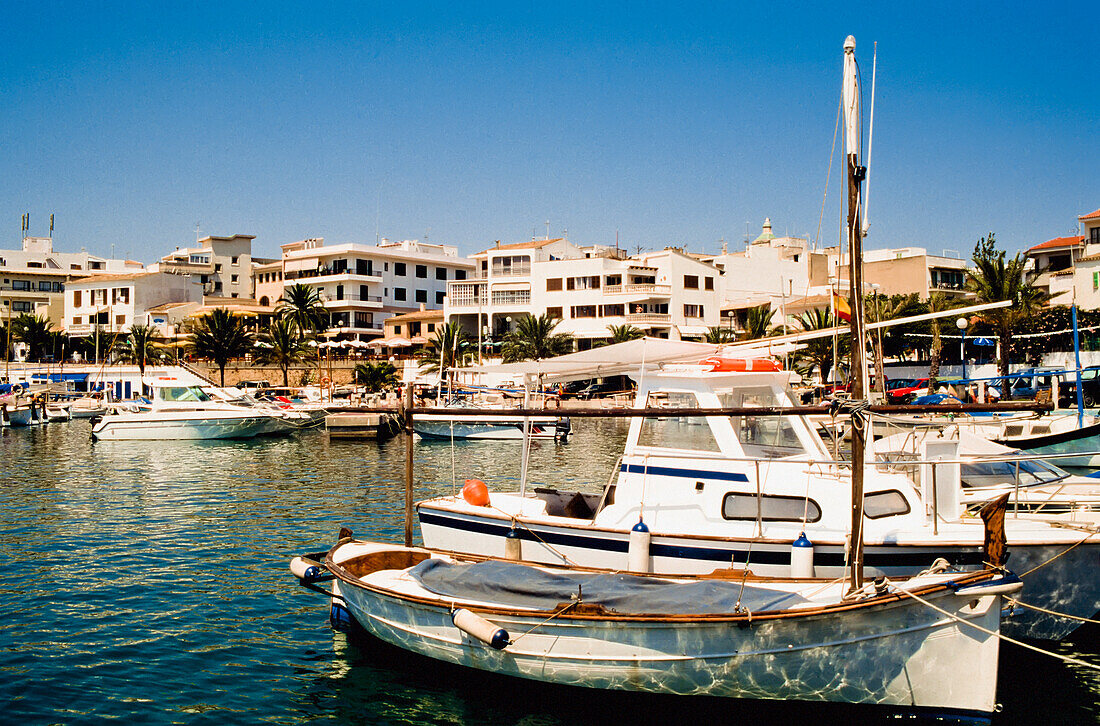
column 961, row 324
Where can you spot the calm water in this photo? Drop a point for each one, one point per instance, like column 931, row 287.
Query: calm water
column 148, row 582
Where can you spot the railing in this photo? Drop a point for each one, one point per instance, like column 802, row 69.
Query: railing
column 643, row 288
column 648, row 317
column 469, row 302
column 354, row 298
column 327, row 272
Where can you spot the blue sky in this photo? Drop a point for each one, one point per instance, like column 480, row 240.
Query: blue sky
column 133, row 122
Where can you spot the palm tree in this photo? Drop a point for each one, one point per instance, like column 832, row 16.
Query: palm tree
column 449, row 345
column 302, row 305
column 937, row 303
column 758, row 322
column 624, row 333
column 879, row 309
column 34, row 332
column 377, row 376
column 818, row 353
column 282, row 346
column 717, row 334
column 140, row 346
column 220, row 336
column 993, row 279
column 535, row 339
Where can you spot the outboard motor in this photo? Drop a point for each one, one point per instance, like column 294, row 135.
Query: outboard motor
column 562, row 429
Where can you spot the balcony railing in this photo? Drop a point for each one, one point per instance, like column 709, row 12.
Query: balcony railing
column 469, row 302
column 648, row 318
column 327, row 272
column 346, row 297
column 643, row 288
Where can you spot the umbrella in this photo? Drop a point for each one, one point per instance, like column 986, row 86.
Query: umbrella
column 376, row 343
column 398, row 342
column 418, row 340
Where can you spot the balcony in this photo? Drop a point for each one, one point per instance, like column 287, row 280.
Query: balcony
column 329, row 274
column 659, row 318
column 470, row 301
column 371, row 301
column 187, row 268
column 643, row 289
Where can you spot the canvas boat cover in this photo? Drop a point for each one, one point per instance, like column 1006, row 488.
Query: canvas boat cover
column 508, row 584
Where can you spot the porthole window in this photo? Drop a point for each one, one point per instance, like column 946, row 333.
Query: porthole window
column 770, row 509
column 884, row 504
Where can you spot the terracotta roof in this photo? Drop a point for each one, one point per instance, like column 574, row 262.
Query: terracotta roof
column 532, row 245
column 1090, row 258
column 1058, row 242
column 164, row 307
column 416, row 315
column 1090, row 215
column 1067, row 271
column 113, row 278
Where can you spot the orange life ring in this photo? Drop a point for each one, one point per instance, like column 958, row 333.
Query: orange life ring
column 729, row 365
column 325, row 381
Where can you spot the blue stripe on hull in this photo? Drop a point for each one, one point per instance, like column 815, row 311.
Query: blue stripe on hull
column 687, row 473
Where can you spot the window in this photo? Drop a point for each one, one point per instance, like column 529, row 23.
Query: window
column 397, row 330
column 511, row 266
column 76, row 320
column 1094, row 236
column 414, row 328
column 884, row 504
column 120, row 320
column 364, row 320
column 769, row 508
column 554, row 312
column 339, row 292
column 21, row 306
column 218, row 267
column 422, row 271
column 460, row 274
column 95, row 265
column 613, row 280
column 708, row 283
column 691, row 282
column 364, row 293
column 399, row 293
column 34, row 264
column 582, row 311
column 610, row 311
column 553, row 284
column 439, row 297
column 233, row 278
column 693, row 311
column 385, row 267
column 44, row 285
column 441, row 273
column 583, row 283
column 265, row 301
column 74, row 267
column 363, row 267
column 120, row 295
column 20, row 285
column 431, row 327
column 769, row 437
column 399, row 268
column 76, row 299
column 1096, row 281
column 235, row 260
column 691, row 432
column 422, row 296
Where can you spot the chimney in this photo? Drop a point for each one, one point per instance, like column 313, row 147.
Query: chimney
column 421, row 307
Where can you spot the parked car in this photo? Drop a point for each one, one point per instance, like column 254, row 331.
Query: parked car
column 1025, row 384
column 1090, row 388
column 606, row 387
column 904, row 390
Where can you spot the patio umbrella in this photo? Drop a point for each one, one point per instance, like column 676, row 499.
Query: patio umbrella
column 398, row 342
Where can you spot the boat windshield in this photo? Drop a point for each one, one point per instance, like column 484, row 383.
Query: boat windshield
column 182, row 393
column 767, row 437
column 691, row 433
column 993, row 473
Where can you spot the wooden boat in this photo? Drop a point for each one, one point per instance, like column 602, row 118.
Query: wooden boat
column 717, row 636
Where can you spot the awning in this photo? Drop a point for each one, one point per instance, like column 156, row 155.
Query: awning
column 692, row 329
column 59, row 377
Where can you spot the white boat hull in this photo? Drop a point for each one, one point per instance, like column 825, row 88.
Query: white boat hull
column 484, row 427
column 154, row 428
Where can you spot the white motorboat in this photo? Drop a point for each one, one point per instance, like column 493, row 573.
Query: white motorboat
column 931, row 651
column 57, row 412
column 179, row 411
column 711, row 490
column 463, row 424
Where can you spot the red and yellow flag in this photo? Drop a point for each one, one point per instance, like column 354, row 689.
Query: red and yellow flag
column 842, row 308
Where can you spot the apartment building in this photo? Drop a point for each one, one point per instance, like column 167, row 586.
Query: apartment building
column 668, row 294
column 1079, row 282
column 33, row 278
column 223, row 265
column 906, row 270
column 362, row 285
column 116, row 302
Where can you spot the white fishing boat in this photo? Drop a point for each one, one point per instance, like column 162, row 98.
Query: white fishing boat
column 94, row 404
column 927, row 645
column 179, row 411
column 57, row 412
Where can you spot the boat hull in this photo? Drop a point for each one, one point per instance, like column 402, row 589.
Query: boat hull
column 153, row 429
column 897, row 655
column 498, row 429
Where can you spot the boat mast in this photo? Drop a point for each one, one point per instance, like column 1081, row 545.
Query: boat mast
column 856, row 174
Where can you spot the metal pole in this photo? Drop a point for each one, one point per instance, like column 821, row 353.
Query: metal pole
column 962, row 354
column 407, row 414
column 1077, row 357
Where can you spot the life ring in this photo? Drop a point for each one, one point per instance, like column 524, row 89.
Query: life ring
column 730, row 365
column 325, row 381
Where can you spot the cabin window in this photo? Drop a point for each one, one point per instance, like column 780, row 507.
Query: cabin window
column 769, row 437
column 680, row 432
column 769, row 508
column 884, row 504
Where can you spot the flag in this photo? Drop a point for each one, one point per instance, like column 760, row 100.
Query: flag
column 842, row 308
column 51, row 224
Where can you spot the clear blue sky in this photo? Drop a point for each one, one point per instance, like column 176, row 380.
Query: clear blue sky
column 132, row 122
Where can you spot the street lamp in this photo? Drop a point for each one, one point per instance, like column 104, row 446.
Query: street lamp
column 961, row 324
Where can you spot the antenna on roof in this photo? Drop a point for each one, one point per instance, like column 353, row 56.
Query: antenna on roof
column 197, row 231
column 548, row 229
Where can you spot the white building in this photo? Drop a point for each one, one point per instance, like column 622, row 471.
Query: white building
column 667, row 294
column 32, row 279
column 362, row 285
column 223, row 265
column 116, row 302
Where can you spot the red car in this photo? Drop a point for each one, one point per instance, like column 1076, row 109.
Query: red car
column 903, row 390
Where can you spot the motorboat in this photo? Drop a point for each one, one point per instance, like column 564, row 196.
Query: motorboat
column 57, row 412
column 89, row 406
column 927, row 644
column 461, row 423
column 181, row 411
column 713, row 490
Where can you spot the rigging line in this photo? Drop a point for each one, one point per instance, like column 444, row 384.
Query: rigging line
column 536, row 626
column 1065, row 551
column 516, row 520
column 1014, row 601
column 829, row 171
column 1022, row 644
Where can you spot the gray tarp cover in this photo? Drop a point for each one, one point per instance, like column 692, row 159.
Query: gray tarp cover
column 511, row 584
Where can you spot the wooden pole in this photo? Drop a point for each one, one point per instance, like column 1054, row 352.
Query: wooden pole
column 407, row 415
column 858, row 368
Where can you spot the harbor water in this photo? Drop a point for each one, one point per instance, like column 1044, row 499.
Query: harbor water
column 147, row 582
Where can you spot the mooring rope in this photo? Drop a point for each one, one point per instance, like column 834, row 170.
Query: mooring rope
column 536, row 626
column 515, row 520
column 1066, row 550
column 1055, row 613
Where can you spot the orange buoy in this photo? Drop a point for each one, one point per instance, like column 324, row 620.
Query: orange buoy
column 476, row 493
column 729, row 365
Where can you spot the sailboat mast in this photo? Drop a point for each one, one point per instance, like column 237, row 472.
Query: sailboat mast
column 856, row 174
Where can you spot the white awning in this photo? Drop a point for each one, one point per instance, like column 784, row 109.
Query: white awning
column 692, row 329
column 303, row 263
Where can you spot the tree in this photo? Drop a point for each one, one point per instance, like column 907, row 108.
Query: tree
column 937, row 303
column 302, row 305
column 221, row 336
column 818, row 353
column 993, row 279
column 879, row 309
column 449, row 345
column 34, row 332
column 377, row 376
column 758, row 322
column 140, row 346
column 624, row 333
column 535, row 339
column 718, row 335
column 283, row 346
